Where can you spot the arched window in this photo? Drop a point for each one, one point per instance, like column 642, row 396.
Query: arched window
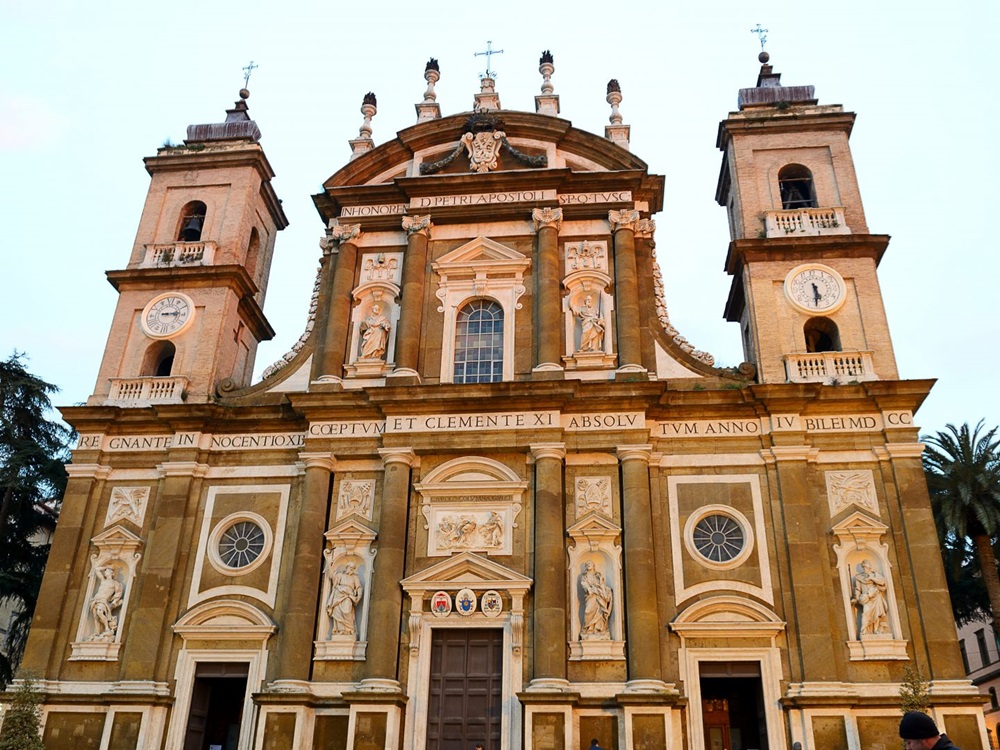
column 821, row 335
column 159, row 359
column 795, row 184
column 993, row 698
column 253, row 252
column 191, row 223
column 479, row 343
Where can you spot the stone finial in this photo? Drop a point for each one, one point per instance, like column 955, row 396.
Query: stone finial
column 616, row 132
column 429, row 109
column 547, row 103
column 487, row 99
column 363, row 143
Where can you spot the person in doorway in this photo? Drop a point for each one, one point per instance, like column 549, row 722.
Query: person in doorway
column 919, row 732
column 479, row 746
column 595, row 745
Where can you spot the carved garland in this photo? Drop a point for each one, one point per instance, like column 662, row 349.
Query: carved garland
column 661, row 312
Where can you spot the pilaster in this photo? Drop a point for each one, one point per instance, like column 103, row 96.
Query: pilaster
column 547, row 222
column 330, row 368
column 418, row 231
column 623, row 226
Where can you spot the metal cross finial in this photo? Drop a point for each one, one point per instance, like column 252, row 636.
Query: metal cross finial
column 489, row 51
column 246, row 73
column 761, row 33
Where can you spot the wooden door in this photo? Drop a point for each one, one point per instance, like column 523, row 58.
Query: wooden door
column 715, row 713
column 466, row 687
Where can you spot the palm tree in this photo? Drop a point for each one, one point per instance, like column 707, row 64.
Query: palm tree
column 963, row 476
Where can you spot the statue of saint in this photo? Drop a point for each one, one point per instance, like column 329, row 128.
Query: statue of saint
column 108, row 598
column 870, row 597
column 374, row 334
column 597, row 604
column 591, row 326
column 345, row 593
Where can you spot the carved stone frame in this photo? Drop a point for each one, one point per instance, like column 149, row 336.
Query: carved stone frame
column 595, row 539
column 349, row 541
column 579, row 285
column 116, row 548
column 860, row 536
column 386, row 294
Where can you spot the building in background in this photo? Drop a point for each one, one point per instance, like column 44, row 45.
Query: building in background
column 981, row 657
column 492, row 494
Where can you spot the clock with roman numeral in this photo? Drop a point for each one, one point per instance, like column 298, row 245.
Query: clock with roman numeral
column 167, row 315
column 815, row 289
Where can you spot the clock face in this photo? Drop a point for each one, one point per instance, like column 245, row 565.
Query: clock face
column 815, row 289
column 167, row 315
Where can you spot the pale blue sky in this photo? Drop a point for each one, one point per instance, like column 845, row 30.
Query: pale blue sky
column 88, row 89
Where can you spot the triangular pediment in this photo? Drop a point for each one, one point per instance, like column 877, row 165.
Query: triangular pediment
column 466, row 570
column 859, row 524
column 350, row 528
column 594, row 525
column 479, row 252
column 116, row 536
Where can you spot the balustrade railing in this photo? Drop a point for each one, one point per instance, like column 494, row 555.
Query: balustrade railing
column 179, row 254
column 146, row 391
column 806, row 222
column 826, row 367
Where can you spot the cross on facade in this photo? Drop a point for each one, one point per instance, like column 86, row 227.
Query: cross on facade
column 246, row 73
column 489, row 51
column 762, row 35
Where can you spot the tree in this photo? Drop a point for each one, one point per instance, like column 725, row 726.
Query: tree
column 23, row 722
column 33, row 451
column 963, row 475
column 914, row 691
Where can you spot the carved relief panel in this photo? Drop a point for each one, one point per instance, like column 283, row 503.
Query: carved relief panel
column 347, row 574
column 356, row 496
column 587, row 306
column 845, row 489
column 593, row 495
column 109, row 588
column 127, row 504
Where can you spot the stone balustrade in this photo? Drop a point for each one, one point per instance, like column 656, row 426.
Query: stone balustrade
column 825, row 367
column 179, row 254
column 146, row 391
column 806, row 222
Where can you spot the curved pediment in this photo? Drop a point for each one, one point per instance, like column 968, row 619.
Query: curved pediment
column 728, row 614
column 225, row 619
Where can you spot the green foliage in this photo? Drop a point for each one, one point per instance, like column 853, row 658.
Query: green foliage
column 23, row 721
column 32, row 479
column 962, row 466
column 913, row 692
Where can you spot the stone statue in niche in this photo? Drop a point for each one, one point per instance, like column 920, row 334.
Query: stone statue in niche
column 869, row 597
column 106, row 600
column 597, row 604
column 591, row 326
column 374, row 334
column 345, row 593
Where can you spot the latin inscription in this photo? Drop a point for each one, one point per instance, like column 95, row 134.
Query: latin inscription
column 479, row 199
column 582, row 199
column 709, row 428
column 385, row 209
column 607, row 421
column 456, row 422
column 257, row 442
column 355, row 428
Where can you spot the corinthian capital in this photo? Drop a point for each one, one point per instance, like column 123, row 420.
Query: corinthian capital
column 547, row 217
column 341, row 233
column 417, row 225
column 625, row 219
column 644, row 228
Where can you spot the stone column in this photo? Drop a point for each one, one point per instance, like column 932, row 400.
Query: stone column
column 623, row 225
column 338, row 319
column 549, row 633
column 386, row 607
column 298, row 601
column 418, row 230
column 644, row 261
column 548, row 315
column 643, row 628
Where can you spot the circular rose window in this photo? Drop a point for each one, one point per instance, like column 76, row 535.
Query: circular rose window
column 239, row 543
column 718, row 538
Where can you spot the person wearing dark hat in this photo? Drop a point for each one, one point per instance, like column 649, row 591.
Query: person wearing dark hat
column 919, row 732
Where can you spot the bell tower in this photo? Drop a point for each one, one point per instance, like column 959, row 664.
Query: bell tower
column 805, row 290
column 189, row 315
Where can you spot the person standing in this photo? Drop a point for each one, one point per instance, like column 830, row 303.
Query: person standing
column 919, row 732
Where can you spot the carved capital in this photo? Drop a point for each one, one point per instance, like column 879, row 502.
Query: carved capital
column 644, row 229
column 88, row 471
column 625, row 219
column 398, row 456
column 547, row 217
column 417, row 225
column 634, row 453
column 182, row 469
column 341, row 233
column 318, row 460
column 548, row 450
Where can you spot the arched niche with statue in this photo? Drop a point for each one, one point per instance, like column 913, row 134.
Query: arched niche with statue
column 588, row 306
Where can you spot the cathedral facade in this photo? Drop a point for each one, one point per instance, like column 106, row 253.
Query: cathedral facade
column 492, row 496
